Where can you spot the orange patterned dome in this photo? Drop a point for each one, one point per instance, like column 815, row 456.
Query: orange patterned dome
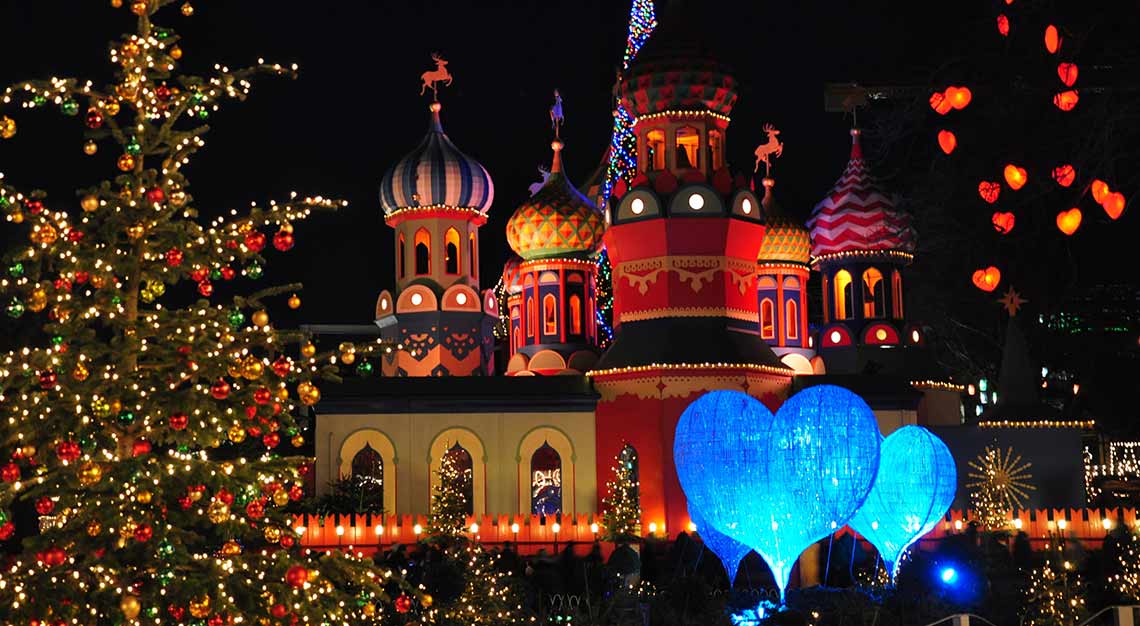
column 785, row 240
column 558, row 221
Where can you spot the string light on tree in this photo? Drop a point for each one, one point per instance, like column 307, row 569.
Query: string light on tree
column 621, row 507
column 999, row 485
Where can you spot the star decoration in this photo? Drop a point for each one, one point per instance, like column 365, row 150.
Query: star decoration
column 1012, row 301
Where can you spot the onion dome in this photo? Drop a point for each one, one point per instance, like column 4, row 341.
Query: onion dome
column 436, row 174
column 857, row 216
column 785, row 239
column 677, row 70
column 558, row 221
column 512, row 274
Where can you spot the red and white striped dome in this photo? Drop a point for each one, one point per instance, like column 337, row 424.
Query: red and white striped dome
column 857, row 216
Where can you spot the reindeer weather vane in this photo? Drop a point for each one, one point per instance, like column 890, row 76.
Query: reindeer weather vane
column 431, row 78
column 556, row 118
column 765, row 150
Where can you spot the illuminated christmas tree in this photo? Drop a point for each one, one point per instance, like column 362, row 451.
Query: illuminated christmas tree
column 622, row 506
column 489, row 596
column 449, row 504
column 1126, row 579
column 999, row 485
column 1056, row 594
column 148, row 430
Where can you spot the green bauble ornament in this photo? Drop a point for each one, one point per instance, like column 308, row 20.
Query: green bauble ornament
column 126, row 417
column 165, row 549
column 116, row 300
column 39, row 100
column 215, row 274
column 4, row 202
column 152, row 611
column 364, row 368
column 57, row 340
column 133, row 147
column 203, row 114
column 253, row 270
column 15, row 308
column 162, row 33
column 197, row 98
column 291, row 431
column 237, row 318
column 184, row 448
column 16, row 270
column 69, row 107
column 3, row 517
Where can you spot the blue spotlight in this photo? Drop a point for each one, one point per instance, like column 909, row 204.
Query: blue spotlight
column 949, row 576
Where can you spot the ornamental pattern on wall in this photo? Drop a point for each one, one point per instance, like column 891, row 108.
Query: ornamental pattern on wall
column 697, row 271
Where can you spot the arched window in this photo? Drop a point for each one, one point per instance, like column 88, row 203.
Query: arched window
column 423, row 252
column 549, row 315
column 874, row 294
column 471, row 254
column 792, row 319
column 632, row 470
column 545, row 481
column 575, row 314
column 451, row 251
column 463, row 464
column 655, row 144
column 516, row 339
column 897, row 294
column 844, row 302
column 368, row 476
column 401, row 255
column 767, row 319
column 531, row 316
column 716, row 148
column 688, row 147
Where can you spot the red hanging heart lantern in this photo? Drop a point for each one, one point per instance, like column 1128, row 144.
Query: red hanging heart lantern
column 1015, row 176
column 947, row 141
column 1068, row 72
column 1003, row 222
column 1003, row 25
column 1064, row 175
column 1052, row 39
column 1067, row 100
column 987, row 279
column 989, row 191
column 1114, row 204
column 1069, row 221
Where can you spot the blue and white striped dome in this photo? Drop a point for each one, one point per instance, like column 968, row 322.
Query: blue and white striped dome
column 436, row 173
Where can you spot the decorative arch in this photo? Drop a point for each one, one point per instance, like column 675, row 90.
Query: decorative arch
column 546, row 481
column 471, row 260
column 451, row 260
column 767, row 319
column 874, row 294
column 844, row 300
column 354, row 442
column 471, row 442
column 688, row 142
column 557, row 439
column 460, row 297
column 575, row 314
column 417, row 298
column 549, row 315
column 897, row 294
column 401, row 256
column 791, row 319
column 799, row 363
column 384, row 304
column 422, row 248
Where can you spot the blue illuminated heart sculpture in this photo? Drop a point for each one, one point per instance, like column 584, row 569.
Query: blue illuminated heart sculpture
column 915, row 487
column 823, row 453
column 730, row 551
column 720, row 454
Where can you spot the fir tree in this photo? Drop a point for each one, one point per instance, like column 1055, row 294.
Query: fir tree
column 489, row 596
column 449, row 505
column 121, row 424
column 1055, row 595
column 622, row 506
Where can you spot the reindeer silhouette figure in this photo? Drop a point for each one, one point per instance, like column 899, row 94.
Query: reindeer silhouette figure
column 556, row 118
column 536, row 187
column 765, row 150
column 439, row 74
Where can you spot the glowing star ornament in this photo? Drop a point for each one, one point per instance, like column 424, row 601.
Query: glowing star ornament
column 987, row 279
column 914, row 488
column 1012, row 301
column 1069, row 221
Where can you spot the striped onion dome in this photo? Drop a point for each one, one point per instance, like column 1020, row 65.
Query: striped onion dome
column 785, row 239
column 857, row 216
column 512, row 274
column 558, row 221
column 436, row 173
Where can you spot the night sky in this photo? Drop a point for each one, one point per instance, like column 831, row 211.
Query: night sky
column 355, row 109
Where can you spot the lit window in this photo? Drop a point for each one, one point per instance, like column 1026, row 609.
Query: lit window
column 473, row 270
column 843, row 296
column 368, row 478
column 516, row 339
column 914, row 337
column 637, row 206
column 549, row 315
column 716, row 150
column 451, row 251
column 423, row 252
column 897, row 294
column 874, row 298
column 792, row 318
column 575, row 314
column 767, row 321
column 746, row 206
column 417, row 299
column 401, row 254
column 531, row 316
column 881, row 334
column 696, row 202
column 655, row 144
column 461, row 459
column 545, row 481
column 835, row 336
column 688, row 148
column 461, row 299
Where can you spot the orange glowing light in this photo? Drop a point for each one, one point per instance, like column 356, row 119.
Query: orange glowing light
column 959, row 97
column 1067, row 100
column 1068, row 73
column 1064, row 175
column 987, row 279
column 1003, row 222
column 1114, row 204
column 989, row 191
column 1069, row 221
column 947, row 141
column 1003, row 25
column 1052, row 39
column 1100, row 190
column 940, row 103
column 1015, row 176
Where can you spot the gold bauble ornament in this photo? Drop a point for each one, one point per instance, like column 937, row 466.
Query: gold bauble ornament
column 111, row 106
column 252, row 368
column 134, row 233
column 94, row 528
column 143, row 497
column 236, row 434
column 7, row 127
column 282, row 394
column 260, row 318
column 90, row 473
column 313, row 575
column 227, row 468
column 231, row 548
column 297, row 441
column 195, row 495
column 294, row 302
column 234, row 369
column 426, row 600
column 281, row 497
column 187, row 9
column 308, row 393
column 80, row 372
column 218, row 511
column 128, row 529
column 116, row 4
column 125, row 194
column 17, row 217
column 126, row 163
column 176, row 53
column 116, row 406
column 178, row 199
column 308, row 350
column 346, row 347
column 90, row 148
column 130, row 50
column 200, row 607
column 28, row 451
column 348, row 358
column 368, row 609
column 37, row 300
column 45, row 234
column 139, row 8
column 89, row 203
column 272, row 534
column 130, row 606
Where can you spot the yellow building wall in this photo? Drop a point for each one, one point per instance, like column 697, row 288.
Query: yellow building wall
column 501, row 445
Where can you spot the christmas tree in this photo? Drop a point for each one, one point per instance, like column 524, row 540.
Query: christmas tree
column 622, row 507
column 1055, row 596
column 145, row 430
column 1125, row 573
column 449, row 499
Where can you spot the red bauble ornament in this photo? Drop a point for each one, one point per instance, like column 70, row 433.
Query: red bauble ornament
column 287, row 540
column 178, row 421
column 250, row 412
column 177, row 612
column 297, row 576
column 35, row 207
column 282, row 366
column 44, row 506
column 278, row 611
column 225, row 496
column 62, row 284
column 296, row 492
column 94, row 118
column 185, row 502
column 47, row 379
column 403, row 604
column 216, row 620
column 10, row 473
column 220, row 390
column 253, row 431
column 7, row 529
column 174, row 257
column 262, row 396
column 256, row 509
column 67, row 451
column 271, row 440
column 140, row 447
column 255, row 241
column 205, row 288
column 143, row 533
column 283, row 240
column 162, row 92
column 81, row 278
column 155, row 195
column 74, row 236
column 199, row 274
column 228, row 273
column 54, row 556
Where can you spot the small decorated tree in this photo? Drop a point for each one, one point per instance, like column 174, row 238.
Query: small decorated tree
column 999, row 485
column 622, row 505
column 1125, row 576
column 448, row 514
